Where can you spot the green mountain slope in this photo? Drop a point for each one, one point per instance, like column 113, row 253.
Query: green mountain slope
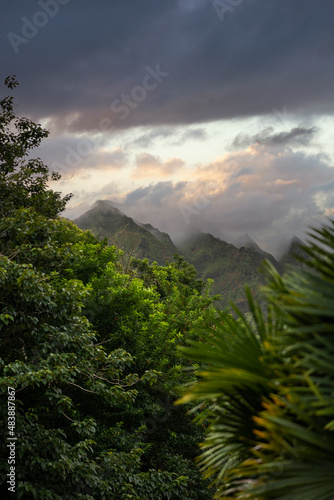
column 247, row 242
column 106, row 221
column 288, row 261
column 230, row 268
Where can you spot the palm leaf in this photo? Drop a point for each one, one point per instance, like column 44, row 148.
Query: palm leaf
column 270, row 383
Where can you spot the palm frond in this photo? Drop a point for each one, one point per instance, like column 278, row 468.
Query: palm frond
column 269, row 382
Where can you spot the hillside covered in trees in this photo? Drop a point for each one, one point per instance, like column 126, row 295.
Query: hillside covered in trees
column 89, row 346
column 230, row 267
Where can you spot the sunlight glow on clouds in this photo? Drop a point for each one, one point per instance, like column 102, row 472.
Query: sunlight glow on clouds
column 148, row 165
column 268, row 192
column 233, row 134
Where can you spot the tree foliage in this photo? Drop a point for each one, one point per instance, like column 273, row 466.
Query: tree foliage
column 268, row 387
column 89, row 349
column 23, row 180
column 92, row 417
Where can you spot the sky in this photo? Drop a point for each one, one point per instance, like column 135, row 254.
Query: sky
column 207, row 114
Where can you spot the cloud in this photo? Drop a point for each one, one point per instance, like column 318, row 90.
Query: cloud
column 148, row 165
column 70, row 154
column 264, row 56
column 174, row 134
column 148, row 138
column 163, row 70
column 296, row 136
column 192, row 134
column 267, row 195
column 115, row 158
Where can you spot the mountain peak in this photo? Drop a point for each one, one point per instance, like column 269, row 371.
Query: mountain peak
column 107, row 206
column 246, row 241
column 295, row 240
column 139, row 240
column 290, row 257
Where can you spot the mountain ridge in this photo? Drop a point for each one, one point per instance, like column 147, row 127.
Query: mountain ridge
column 107, row 221
column 229, row 266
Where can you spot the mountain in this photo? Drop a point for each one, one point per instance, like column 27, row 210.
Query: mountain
column 160, row 236
column 247, row 242
column 139, row 240
column 230, row 267
column 289, row 260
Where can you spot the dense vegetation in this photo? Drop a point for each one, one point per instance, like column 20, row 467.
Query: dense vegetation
column 229, row 267
column 268, row 387
column 89, row 342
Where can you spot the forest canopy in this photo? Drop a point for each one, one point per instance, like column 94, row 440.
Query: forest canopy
column 89, row 345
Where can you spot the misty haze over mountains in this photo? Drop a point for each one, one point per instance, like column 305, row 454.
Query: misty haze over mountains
column 231, row 266
column 182, row 227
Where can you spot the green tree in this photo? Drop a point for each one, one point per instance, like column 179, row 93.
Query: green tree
column 268, row 387
column 23, row 181
column 89, row 350
column 49, row 356
column 86, row 407
column 149, row 313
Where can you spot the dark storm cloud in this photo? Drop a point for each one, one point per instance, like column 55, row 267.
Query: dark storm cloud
column 296, row 136
column 89, row 57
